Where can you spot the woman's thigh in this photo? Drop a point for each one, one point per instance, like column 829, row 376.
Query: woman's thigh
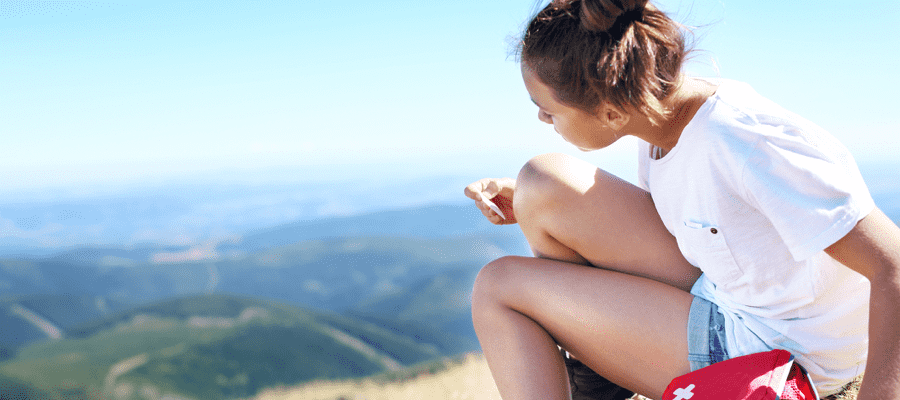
column 629, row 329
column 570, row 210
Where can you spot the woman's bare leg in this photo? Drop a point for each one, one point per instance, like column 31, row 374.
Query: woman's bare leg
column 570, row 210
column 629, row 329
column 626, row 320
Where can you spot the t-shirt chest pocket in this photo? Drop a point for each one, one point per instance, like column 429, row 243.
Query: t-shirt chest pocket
column 705, row 245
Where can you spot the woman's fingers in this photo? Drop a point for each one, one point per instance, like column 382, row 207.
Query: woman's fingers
column 484, row 190
column 493, row 207
column 474, row 190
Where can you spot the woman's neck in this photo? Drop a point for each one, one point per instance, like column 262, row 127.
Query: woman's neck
column 685, row 102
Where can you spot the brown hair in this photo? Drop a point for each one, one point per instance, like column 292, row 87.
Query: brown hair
column 625, row 52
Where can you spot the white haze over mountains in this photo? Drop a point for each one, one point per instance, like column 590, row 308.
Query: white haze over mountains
column 196, row 216
column 198, row 213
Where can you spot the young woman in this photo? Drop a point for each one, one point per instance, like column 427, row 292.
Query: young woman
column 752, row 228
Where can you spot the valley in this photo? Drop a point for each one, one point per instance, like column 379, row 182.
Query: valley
column 331, row 299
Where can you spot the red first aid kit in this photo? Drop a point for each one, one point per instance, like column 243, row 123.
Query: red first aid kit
column 771, row 375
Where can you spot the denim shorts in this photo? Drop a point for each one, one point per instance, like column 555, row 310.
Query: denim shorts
column 706, row 334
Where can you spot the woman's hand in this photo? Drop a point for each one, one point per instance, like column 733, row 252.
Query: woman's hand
column 496, row 191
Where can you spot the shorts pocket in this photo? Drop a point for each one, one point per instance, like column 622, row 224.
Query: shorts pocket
column 705, row 244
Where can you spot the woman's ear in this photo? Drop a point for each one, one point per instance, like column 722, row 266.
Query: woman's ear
column 613, row 116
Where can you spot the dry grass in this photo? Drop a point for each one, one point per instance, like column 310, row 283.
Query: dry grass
column 467, row 378
column 851, row 390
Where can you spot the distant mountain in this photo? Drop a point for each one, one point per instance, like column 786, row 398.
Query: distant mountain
column 212, row 346
column 196, row 211
column 178, row 215
column 429, row 221
column 334, row 273
column 411, row 275
column 422, row 222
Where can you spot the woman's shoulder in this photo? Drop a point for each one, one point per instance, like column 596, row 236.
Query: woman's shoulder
column 738, row 103
column 740, row 131
column 740, row 118
column 730, row 119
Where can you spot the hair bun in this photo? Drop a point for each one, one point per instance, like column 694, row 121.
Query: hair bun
column 602, row 15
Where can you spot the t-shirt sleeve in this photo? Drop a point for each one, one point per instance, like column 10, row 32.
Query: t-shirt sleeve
column 809, row 187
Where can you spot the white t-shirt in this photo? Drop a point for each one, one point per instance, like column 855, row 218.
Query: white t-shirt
column 754, row 194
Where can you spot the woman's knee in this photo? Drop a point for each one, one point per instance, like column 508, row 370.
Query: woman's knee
column 545, row 170
column 540, row 181
column 554, row 179
column 491, row 284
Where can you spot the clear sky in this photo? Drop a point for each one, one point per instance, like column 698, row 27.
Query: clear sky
column 114, row 91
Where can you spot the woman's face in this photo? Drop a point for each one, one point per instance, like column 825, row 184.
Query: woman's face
column 584, row 130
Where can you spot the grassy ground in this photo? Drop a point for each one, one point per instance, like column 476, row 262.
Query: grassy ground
column 459, row 379
column 466, row 378
column 463, row 378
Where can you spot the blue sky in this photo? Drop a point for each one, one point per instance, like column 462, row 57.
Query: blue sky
column 122, row 91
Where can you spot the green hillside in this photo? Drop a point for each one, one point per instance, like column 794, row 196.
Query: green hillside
column 421, row 282
column 209, row 347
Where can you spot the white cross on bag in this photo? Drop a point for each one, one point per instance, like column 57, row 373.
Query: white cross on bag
column 684, row 393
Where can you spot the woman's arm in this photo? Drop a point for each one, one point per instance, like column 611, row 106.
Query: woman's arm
column 872, row 248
